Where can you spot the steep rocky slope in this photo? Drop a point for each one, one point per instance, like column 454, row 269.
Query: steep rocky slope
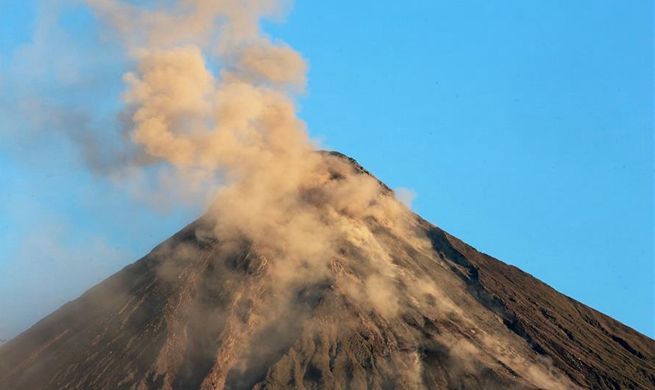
column 200, row 312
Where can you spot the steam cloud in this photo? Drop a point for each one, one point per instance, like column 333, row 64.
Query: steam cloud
column 236, row 128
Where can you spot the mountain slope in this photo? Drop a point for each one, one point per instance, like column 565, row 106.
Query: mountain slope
column 202, row 312
column 594, row 349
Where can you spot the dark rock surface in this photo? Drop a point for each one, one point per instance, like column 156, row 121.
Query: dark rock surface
column 198, row 313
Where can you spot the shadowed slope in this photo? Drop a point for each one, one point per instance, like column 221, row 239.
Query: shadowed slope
column 595, row 350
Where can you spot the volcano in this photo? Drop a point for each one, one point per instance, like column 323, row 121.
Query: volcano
column 203, row 311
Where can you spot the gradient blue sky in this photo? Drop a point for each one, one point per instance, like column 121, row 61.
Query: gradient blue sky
column 525, row 128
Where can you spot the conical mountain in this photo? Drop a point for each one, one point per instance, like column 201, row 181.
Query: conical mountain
column 392, row 309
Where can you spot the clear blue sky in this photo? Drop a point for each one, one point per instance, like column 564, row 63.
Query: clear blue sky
column 525, row 128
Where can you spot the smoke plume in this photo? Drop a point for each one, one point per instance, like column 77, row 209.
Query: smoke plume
column 213, row 97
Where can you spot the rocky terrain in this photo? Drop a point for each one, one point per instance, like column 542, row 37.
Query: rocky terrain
column 201, row 312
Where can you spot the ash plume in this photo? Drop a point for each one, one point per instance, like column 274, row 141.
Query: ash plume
column 213, row 97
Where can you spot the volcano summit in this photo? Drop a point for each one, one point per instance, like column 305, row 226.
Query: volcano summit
column 385, row 301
